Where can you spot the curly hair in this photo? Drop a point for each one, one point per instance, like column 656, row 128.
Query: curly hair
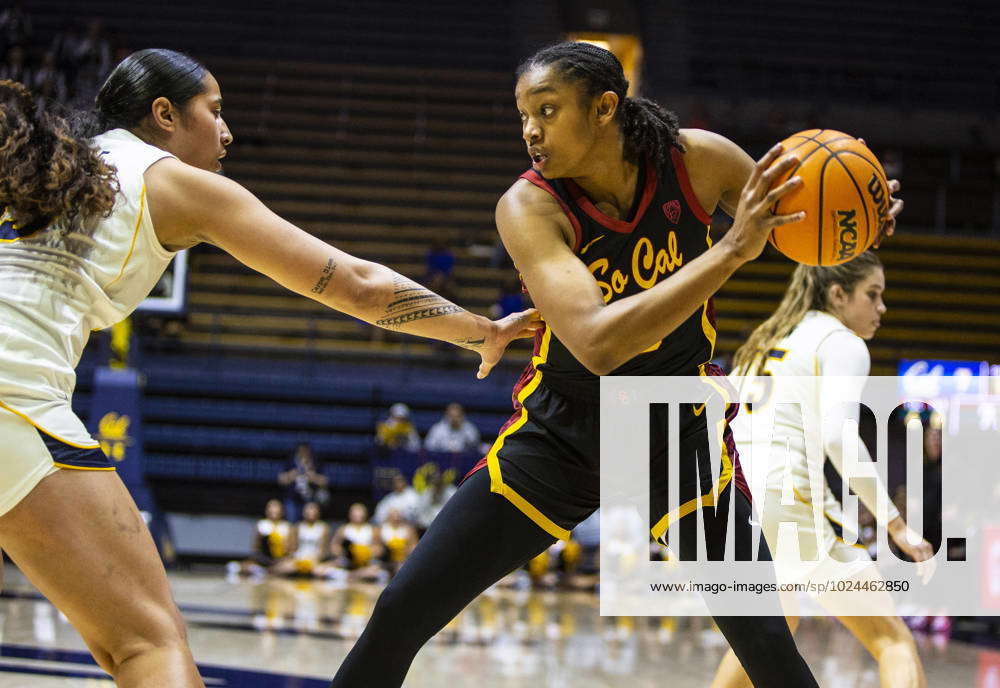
column 649, row 129
column 48, row 174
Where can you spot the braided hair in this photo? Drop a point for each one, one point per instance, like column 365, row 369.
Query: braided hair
column 649, row 130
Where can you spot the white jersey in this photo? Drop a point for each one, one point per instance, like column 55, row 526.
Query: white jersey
column 363, row 534
column 310, row 540
column 60, row 283
column 795, row 359
column 772, row 438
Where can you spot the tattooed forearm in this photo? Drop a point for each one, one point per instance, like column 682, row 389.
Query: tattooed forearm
column 325, row 277
column 474, row 344
column 396, row 322
column 412, row 302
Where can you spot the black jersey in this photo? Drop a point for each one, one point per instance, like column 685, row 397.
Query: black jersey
column 668, row 229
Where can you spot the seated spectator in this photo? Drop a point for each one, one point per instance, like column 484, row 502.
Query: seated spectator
column 303, row 482
column 356, row 547
column 440, row 269
column 573, row 563
column 63, row 46
column 440, row 261
column 397, row 431
column 92, row 57
column 311, row 546
column 510, row 300
column 433, row 498
column 403, row 497
column 15, row 65
column 272, row 542
column 48, row 80
column 398, row 540
column 453, row 433
column 15, row 25
column 558, row 563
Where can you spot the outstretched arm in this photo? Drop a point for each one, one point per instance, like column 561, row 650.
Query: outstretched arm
column 189, row 205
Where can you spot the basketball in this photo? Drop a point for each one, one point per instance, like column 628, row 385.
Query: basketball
column 844, row 193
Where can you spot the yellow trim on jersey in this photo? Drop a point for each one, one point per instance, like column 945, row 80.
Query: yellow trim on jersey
column 135, row 234
column 6, row 216
column 725, row 474
column 50, row 434
column 710, row 333
column 497, row 484
column 584, row 249
column 83, row 468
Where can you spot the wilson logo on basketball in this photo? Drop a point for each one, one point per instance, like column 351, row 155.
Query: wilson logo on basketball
column 672, row 209
column 877, row 192
column 848, row 238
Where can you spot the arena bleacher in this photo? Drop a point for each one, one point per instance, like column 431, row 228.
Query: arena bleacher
column 382, row 136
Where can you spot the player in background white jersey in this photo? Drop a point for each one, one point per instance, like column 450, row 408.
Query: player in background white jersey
column 86, row 229
column 815, row 341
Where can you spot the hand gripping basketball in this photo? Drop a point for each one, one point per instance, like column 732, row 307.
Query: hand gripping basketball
column 888, row 228
column 754, row 221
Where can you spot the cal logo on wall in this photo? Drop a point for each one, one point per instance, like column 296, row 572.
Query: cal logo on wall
column 112, row 433
column 116, row 422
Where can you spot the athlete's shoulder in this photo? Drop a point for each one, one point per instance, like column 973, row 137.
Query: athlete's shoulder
column 526, row 196
column 821, row 324
column 716, row 168
column 533, row 213
column 706, row 148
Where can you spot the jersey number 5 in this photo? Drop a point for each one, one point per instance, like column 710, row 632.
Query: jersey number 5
column 761, row 390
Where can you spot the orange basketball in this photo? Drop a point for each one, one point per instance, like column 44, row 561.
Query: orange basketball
column 844, row 193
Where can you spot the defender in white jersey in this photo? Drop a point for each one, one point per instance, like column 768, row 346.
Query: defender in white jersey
column 816, row 342
column 87, row 227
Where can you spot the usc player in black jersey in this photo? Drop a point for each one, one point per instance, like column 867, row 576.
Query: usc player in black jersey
column 609, row 230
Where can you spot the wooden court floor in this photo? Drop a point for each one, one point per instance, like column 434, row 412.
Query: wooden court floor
column 292, row 634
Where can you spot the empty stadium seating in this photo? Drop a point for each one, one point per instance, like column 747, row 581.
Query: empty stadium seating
column 382, row 136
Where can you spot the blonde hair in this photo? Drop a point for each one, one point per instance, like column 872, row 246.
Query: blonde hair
column 807, row 290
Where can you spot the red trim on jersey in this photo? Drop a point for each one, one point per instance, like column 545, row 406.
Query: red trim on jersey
column 478, row 467
column 526, row 376
column 611, row 223
column 710, row 311
column 682, row 178
column 727, row 435
column 540, row 181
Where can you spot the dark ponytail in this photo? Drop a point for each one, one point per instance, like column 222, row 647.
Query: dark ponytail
column 48, row 172
column 126, row 96
column 649, row 130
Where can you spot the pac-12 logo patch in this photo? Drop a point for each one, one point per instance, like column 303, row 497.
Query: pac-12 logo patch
column 672, row 209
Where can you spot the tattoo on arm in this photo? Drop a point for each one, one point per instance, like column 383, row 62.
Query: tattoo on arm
column 474, row 344
column 325, row 277
column 411, row 303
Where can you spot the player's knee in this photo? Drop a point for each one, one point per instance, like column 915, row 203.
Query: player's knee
column 399, row 611
column 891, row 636
column 391, row 604
column 163, row 631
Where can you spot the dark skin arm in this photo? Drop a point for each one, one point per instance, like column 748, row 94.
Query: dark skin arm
column 602, row 336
